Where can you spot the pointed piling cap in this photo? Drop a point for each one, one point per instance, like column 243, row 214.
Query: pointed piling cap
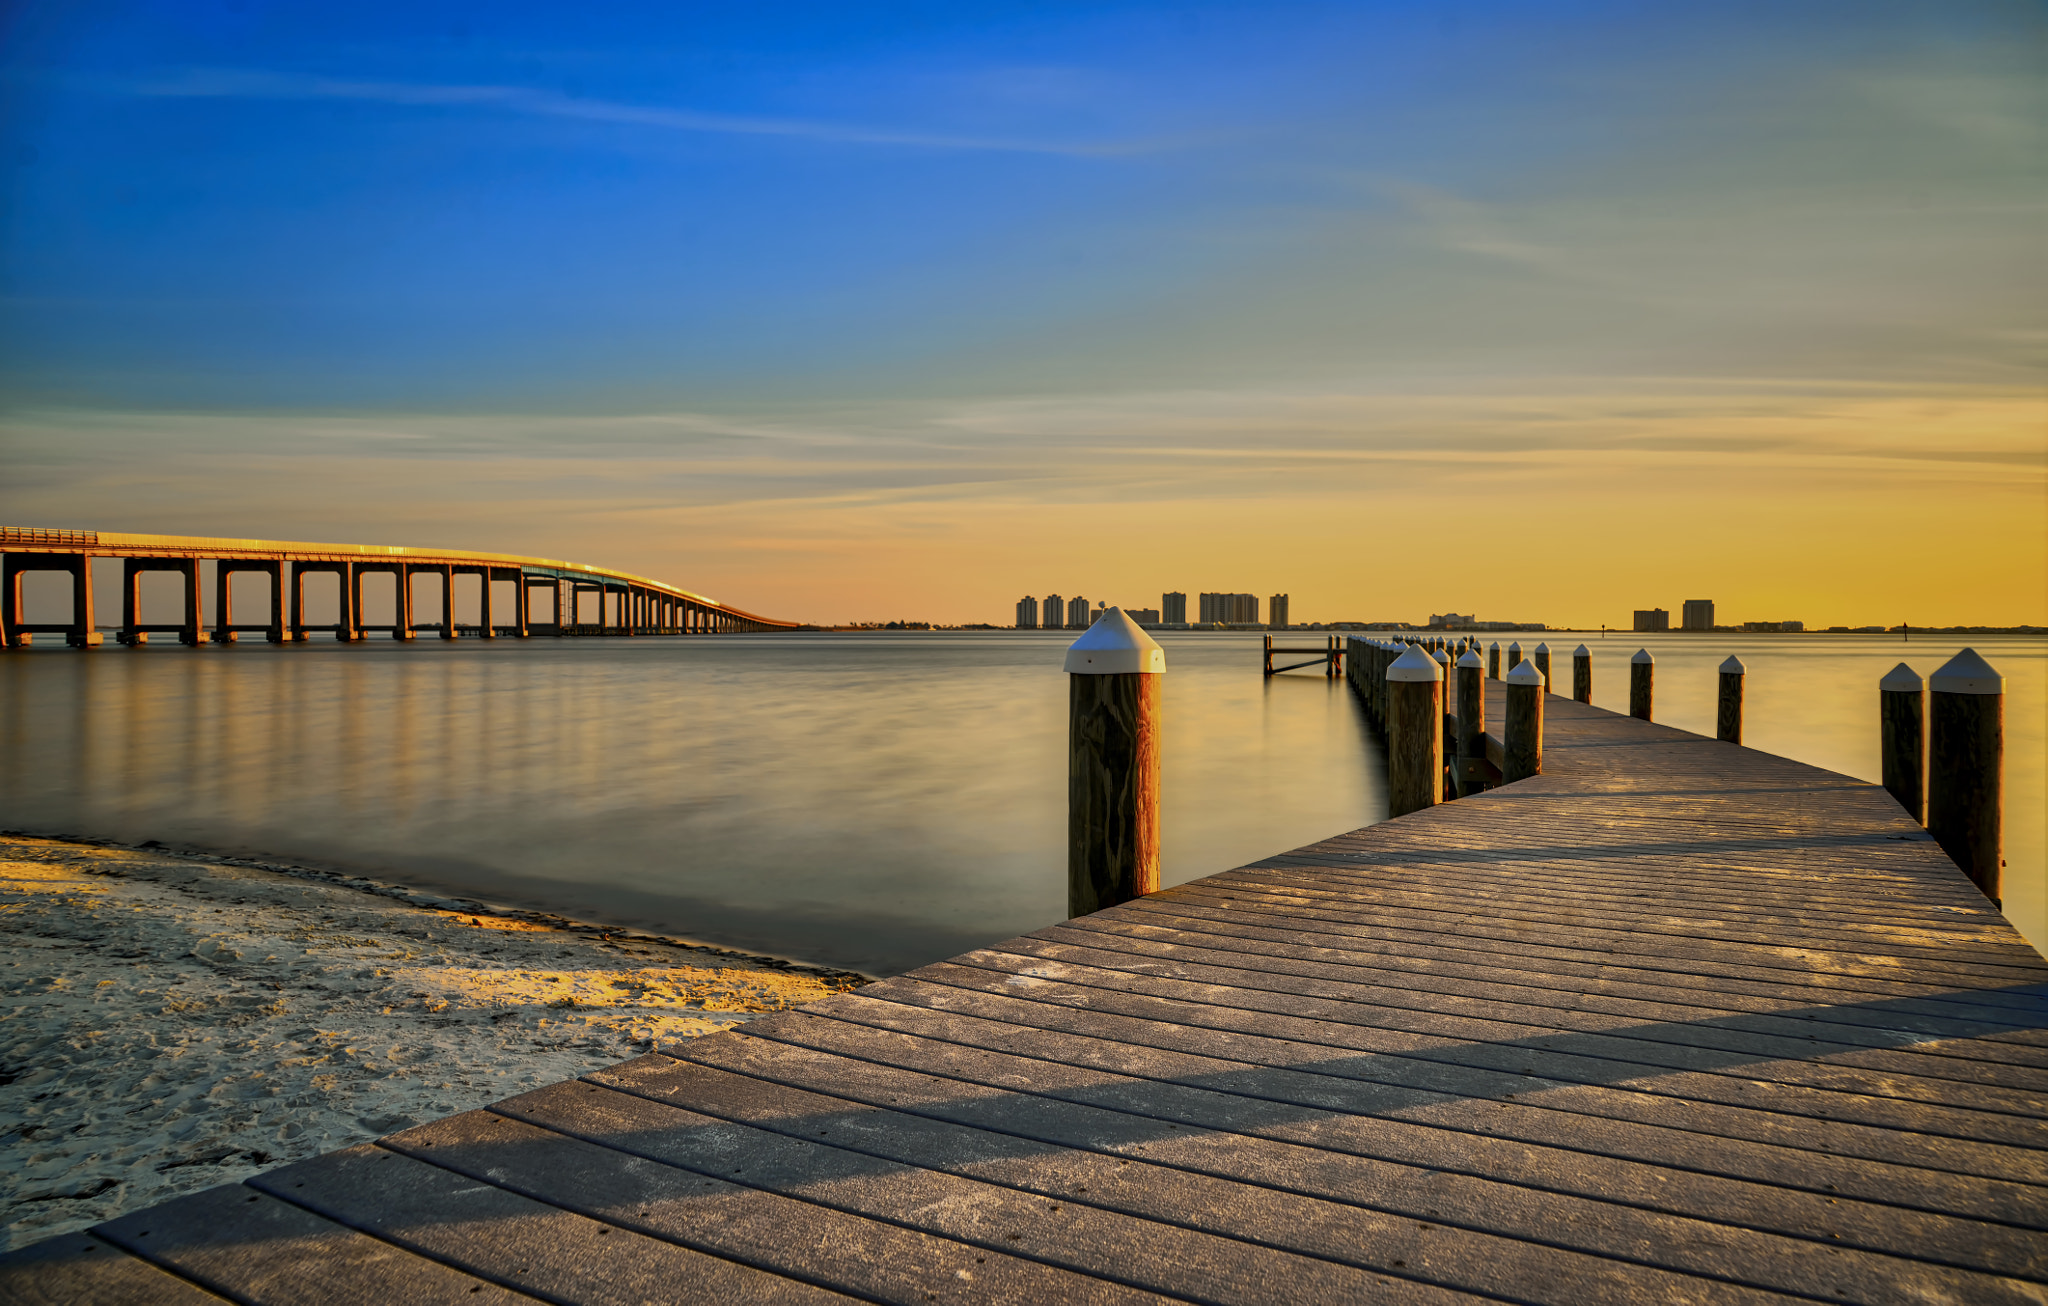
column 1441, row 658
column 1470, row 658
column 1494, row 647
column 1902, row 679
column 1642, row 657
column 1525, row 673
column 1115, row 645
column 1543, row 648
column 1966, row 673
column 1733, row 666
column 1415, row 665
column 1582, row 652
column 1515, row 647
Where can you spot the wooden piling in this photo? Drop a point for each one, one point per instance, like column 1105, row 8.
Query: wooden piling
column 1522, row 733
column 1582, row 674
column 1447, row 724
column 1966, row 767
column 1542, row 659
column 1728, row 709
column 1902, row 738
column 1113, row 675
column 1514, row 655
column 1415, row 737
column 1639, row 673
column 1471, row 723
column 1493, row 661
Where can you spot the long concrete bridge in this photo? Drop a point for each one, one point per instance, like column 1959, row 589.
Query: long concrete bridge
column 626, row 604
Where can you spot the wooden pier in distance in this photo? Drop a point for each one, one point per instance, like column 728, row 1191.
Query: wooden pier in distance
column 1330, row 656
column 1673, row 1021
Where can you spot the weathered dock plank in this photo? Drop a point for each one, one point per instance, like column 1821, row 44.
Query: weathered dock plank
column 1673, row 1021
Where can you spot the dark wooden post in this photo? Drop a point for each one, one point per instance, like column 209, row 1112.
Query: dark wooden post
column 1639, row 674
column 1514, row 654
column 1543, row 665
column 1902, row 738
column 1493, row 661
column 1728, row 707
column 1415, row 733
column 1522, row 734
column 1447, row 724
column 1582, row 674
column 1471, row 722
column 1966, row 767
column 1113, row 697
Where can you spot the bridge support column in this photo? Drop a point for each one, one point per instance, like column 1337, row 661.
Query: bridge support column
column 79, row 632
column 404, row 601
column 487, row 615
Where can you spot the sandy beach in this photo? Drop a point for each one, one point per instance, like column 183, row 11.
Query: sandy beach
column 176, row 1021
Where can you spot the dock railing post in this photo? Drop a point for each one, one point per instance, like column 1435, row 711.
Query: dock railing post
column 1640, row 668
column 1448, row 755
column 1728, row 707
column 1522, row 734
column 1543, row 665
column 1582, row 675
column 1415, row 733
column 1514, row 655
column 1902, row 739
column 1493, row 661
column 1113, row 700
column 1471, row 722
column 1966, row 765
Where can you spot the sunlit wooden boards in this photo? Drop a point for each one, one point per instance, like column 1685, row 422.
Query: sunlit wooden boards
column 1674, row 1021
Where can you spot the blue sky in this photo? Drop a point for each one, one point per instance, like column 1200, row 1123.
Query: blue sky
column 845, row 238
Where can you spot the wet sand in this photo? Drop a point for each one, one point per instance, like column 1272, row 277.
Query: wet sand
column 177, row 1021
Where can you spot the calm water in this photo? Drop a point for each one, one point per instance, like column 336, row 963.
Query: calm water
column 874, row 802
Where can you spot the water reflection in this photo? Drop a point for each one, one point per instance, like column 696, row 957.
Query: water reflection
column 874, row 802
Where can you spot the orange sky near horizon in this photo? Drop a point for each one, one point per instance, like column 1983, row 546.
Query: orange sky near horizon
column 1570, row 505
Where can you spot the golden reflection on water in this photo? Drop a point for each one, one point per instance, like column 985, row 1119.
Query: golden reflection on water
column 873, row 802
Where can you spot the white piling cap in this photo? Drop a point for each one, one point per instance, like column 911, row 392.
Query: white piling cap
column 1903, row 679
column 1515, row 647
column 1494, row 647
column 1643, row 656
column 1470, row 658
column 1966, row 673
column 1442, row 658
column 1543, row 648
column 1525, row 673
column 1582, row 652
column 1733, row 666
column 1415, row 665
column 1113, row 646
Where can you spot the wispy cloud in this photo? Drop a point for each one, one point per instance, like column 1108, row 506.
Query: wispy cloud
column 257, row 84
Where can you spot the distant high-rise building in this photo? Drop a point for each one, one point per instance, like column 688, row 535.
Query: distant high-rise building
column 1652, row 619
column 1027, row 613
column 1230, row 609
column 1698, row 614
column 1173, row 609
column 1077, row 614
column 1276, row 612
column 1052, row 614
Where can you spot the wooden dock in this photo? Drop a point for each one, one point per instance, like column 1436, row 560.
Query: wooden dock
column 1674, row 1021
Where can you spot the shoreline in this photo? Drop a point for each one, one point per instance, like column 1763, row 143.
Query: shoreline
column 181, row 1019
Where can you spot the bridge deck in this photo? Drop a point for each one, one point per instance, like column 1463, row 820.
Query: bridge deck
column 1674, row 1021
